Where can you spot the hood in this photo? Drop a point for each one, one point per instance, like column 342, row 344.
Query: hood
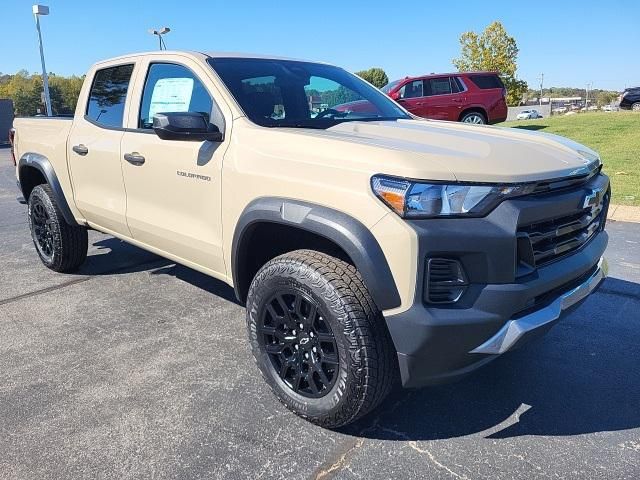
column 471, row 153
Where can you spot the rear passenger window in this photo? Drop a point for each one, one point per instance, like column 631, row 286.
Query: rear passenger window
column 172, row 88
column 487, row 81
column 439, row 86
column 108, row 95
column 454, row 86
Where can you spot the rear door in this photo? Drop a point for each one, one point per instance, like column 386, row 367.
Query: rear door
column 443, row 98
column 174, row 186
column 93, row 148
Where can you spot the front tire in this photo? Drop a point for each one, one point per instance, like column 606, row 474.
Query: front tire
column 60, row 246
column 475, row 118
column 319, row 340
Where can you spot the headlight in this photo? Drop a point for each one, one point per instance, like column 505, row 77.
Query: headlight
column 414, row 199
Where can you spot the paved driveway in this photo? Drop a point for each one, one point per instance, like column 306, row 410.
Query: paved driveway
column 138, row 368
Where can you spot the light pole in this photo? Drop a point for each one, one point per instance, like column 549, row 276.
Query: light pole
column 541, row 84
column 160, row 33
column 37, row 11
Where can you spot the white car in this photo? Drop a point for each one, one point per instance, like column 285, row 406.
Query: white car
column 528, row 115
column 559, row 110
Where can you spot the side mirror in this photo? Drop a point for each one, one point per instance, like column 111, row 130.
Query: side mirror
column 190, row 126
column 395, row 95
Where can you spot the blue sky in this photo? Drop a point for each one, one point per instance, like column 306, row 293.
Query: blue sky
column 572, row 42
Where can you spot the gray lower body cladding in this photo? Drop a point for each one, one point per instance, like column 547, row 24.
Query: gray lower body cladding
column 435, row 342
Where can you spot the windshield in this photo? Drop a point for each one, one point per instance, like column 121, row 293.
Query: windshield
column 287, row 93
column 390, row 86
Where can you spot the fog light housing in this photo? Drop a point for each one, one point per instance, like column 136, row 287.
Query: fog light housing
column 445, row 281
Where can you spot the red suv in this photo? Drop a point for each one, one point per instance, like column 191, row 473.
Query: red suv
column 473, row 97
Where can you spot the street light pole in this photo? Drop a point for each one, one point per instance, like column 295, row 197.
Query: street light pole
column 37, row 11
column 541, row 84
column 160, row 33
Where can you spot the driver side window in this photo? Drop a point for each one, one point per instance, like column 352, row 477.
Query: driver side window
column 412, row 90
column 172, row 88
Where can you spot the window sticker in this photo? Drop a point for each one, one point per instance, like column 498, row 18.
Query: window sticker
column 171, row 95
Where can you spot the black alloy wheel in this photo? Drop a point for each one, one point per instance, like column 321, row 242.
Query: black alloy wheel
column 300, row 344
column 42, row 228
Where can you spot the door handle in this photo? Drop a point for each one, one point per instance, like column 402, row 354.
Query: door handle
column 134, row 158
column 80, row 149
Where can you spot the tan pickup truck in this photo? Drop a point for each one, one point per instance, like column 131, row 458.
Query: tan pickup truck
column 371, row 248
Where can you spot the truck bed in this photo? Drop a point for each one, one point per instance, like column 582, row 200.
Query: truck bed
column 45, row 136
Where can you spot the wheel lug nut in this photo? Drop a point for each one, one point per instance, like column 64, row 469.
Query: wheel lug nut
column 311, row 334
column 306, row 355
column 296, row 346
column 314, row 349
column 294, row 332
column 301, row 326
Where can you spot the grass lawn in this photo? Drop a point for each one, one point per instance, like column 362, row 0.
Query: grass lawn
column 614, row 135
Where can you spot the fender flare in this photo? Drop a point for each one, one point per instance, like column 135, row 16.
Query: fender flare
column 43, row 165
column 345, row 231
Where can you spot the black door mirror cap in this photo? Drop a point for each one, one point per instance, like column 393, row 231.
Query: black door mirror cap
column 186, row 126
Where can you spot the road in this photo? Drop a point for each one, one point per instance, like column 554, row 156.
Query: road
column 139, row 368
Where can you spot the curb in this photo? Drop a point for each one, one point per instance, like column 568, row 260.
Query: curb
column 624, row 213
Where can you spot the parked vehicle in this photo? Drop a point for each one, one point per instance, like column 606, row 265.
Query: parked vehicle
column 474, row 97
column 630, row 99
column 559, row 110
column 528, row 115
column 367, row 247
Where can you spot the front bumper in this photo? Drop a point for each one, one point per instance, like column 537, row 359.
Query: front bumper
column 518, row 330
column 502, row 307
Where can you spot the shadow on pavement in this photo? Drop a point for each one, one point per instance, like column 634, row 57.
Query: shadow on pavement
column 120, row 257
column 531, row 127
column 583, row 377
column 200, row 280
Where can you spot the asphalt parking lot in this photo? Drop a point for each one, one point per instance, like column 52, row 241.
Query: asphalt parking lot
column 138, row 368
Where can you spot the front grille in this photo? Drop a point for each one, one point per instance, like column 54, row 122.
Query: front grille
column 544, row 242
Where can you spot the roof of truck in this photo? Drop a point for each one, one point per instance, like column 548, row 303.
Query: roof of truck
column 209, row 54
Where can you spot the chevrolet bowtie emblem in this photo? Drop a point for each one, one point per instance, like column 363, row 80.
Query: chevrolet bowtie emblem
column 593, row 198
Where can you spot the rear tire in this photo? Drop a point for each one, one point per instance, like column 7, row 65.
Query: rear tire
column 61, row 247
column 301, row 307
column 475, row 118
column 636, row 107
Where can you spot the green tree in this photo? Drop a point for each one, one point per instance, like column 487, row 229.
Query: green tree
column 493, row 50
column 375, row 76
column 26, row 90
column 66, row 95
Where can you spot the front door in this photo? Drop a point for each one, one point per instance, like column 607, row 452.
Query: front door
column 173, row 187
column 94, row 150
column 412, row 98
